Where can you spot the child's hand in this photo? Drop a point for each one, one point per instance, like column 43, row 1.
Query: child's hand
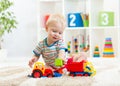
column 50, row 67
column 32, row 61
column 79, row 57
column 64, row 62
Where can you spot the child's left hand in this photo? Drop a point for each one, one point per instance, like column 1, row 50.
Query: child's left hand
column 79, row 57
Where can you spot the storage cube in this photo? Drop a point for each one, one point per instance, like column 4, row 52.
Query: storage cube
column 106, row 18
column 75, row 20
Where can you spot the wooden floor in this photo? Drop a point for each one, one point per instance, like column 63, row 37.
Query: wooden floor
column 15, row 73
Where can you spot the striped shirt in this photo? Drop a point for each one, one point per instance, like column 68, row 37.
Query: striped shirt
column 49, row 52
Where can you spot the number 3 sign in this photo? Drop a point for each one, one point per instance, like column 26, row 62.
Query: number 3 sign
column 75, row 20
column 106, row 19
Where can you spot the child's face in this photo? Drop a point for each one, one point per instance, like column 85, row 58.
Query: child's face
column 55, row 32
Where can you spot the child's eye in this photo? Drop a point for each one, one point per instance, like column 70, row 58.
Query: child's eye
column 54, row 31
column 60, row 33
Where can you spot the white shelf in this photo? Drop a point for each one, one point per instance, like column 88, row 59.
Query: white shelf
column 92, row 8
column 49, row 0
column 76, row 28
column 105, row 27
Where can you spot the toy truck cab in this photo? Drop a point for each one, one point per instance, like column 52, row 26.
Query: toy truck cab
column 39, row 70
column 88, row 67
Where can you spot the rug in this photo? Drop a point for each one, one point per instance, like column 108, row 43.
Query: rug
column 108, row 74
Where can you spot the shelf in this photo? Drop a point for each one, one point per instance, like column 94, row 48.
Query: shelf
column 97, row 28
column 107, row 27
column 50, row 0
column 76, row 28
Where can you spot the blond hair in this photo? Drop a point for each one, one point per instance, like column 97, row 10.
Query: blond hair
column 56, row 18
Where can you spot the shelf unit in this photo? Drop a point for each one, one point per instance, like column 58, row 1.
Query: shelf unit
column 94, row 32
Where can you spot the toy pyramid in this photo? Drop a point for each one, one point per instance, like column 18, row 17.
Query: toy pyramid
column 96, row 52
column 108, row 48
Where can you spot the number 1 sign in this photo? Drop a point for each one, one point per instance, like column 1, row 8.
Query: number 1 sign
column 106, row 19
column 75, row 20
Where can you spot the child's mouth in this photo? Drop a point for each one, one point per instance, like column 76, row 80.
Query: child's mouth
column 54, row 37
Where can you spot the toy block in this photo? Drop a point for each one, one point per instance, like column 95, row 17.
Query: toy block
column 106, row 18
column 75, row 20
column 58, row 62
column 56, row 74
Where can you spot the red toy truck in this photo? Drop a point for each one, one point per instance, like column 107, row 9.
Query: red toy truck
column 83, row 68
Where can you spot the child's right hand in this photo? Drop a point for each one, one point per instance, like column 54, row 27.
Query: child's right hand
column 32, row 61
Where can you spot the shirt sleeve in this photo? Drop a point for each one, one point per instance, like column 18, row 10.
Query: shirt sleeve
column 38, row 49
column 61, row 45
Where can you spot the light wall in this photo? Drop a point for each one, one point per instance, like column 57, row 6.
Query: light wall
column 22, row 40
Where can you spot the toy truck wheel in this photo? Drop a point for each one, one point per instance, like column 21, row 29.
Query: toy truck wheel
column 37, row 74
column 72, row 74
column 86, row 74
column 50, row 75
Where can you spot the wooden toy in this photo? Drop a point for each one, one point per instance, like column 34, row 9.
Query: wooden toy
column 96, row 52
column 108, row 48
column 76, row 45
column 82, row 46
column 69, row 47
column 75, row 20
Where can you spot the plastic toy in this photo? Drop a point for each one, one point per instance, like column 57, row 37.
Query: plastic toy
column 83, row 68
column 59, row 62
column 39, row 70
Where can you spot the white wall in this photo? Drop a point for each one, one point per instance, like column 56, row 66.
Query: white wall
column 22, row 40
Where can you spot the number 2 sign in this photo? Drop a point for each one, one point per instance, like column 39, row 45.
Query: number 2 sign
column 75, row 20
column 106, row 19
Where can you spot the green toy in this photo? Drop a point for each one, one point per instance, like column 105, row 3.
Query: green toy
column 58, row 62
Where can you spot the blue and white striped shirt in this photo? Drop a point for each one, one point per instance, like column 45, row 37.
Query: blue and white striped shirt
column 49, row 53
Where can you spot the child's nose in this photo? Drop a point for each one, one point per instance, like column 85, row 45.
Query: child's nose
column 57, row 34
